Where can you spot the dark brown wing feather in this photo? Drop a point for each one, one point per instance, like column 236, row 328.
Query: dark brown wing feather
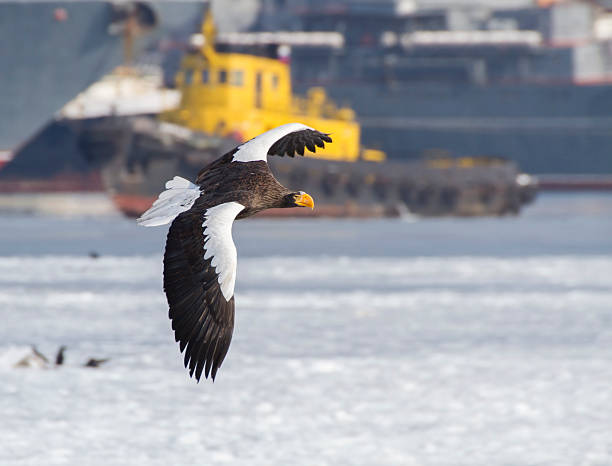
column 212, row 168
column 202, row 320
column 296, row 142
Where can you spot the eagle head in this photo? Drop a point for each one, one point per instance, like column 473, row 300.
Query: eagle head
column 298, row 199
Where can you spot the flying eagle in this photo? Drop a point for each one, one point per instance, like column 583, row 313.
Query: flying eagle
column 200, row 257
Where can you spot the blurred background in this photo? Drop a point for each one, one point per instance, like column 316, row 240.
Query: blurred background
column 447, row 301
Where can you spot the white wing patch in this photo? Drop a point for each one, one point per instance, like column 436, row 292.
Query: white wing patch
column 179, row 196
column 257, row 148
column 219, row 245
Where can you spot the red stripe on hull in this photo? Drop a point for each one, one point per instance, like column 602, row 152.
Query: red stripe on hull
column 134, row 206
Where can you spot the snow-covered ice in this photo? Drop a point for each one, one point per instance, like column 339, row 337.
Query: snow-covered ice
column 371, row 358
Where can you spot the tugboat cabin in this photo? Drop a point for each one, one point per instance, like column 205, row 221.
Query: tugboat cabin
column 242, row 95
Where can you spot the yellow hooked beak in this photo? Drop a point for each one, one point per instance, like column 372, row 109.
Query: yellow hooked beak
column 304, row 200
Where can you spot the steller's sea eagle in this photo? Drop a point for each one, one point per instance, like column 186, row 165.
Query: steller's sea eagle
column 200, row 257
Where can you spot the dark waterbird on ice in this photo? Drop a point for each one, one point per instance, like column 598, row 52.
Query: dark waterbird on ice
column 59, row 357
column 92, row 362
column 200, row 257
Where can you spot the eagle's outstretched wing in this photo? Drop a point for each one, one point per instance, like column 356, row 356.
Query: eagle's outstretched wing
column 199, row 276
column 289, row 139
column 297, row 141
column 199, row 271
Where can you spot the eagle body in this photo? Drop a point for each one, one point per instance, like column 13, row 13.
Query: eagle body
column 200, row 256
column 251, row 184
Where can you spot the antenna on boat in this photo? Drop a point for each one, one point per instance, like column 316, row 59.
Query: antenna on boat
column 209, row 32
column 204, row 41
column 131, row 20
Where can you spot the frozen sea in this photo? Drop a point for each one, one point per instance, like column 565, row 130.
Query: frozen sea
column 377, row 342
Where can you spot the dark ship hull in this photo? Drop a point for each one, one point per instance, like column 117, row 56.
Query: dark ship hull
column 147, row 153
column 53, row 161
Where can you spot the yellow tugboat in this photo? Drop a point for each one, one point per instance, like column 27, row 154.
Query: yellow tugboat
column 230, row 97
column 242, row 95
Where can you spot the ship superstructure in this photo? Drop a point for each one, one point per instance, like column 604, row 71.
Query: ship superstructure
column 241, row 95
column 531, row 81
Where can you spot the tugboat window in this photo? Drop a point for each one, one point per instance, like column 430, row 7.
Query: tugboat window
column 222, row 77
column 204, row 76
column 188, row 76
column 236, row 78
column 274, row 81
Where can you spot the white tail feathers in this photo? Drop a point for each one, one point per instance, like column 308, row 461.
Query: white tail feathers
column 179, row 196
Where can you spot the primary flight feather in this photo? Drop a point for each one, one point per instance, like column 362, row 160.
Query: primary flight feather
column 200, row 256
